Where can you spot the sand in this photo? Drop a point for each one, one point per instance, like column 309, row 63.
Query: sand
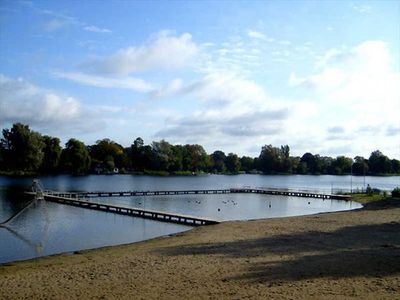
column 343, row 255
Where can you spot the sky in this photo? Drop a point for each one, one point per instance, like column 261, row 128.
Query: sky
column 320, row 76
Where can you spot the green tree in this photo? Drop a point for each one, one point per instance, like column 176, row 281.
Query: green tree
column 270, row 159
column 162, row 155
column 325, row 164
column 22, row 148
column 177, row 158
column 379, row 163
column 218, row 162
column 105, row 151
column 75, row 157
column 196, row 158
column 308, row 164
column 140, row 155
column 109, row 163
column 232, row 163
column 52, row 152
column 247, row 164
column 395, row 166
column 360, row 166
column 342, row 165
column 275, row 160
column 295, row 162
column 285, row 161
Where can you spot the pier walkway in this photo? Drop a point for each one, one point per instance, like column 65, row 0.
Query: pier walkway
column 70, row 199
column 281, row 192
column 78, row 199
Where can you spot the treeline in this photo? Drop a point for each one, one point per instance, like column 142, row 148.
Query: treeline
column 23, row 151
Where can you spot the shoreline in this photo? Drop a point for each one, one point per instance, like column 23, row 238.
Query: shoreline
column 331, row 255
column 184, row 174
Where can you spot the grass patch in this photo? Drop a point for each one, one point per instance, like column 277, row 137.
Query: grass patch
column 365, row 198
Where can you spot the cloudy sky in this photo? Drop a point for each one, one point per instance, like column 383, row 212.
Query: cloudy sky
column 321, row 76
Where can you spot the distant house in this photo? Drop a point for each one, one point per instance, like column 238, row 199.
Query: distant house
column 101, row 169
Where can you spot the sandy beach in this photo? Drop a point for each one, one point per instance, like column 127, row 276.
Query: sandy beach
column 343, row 255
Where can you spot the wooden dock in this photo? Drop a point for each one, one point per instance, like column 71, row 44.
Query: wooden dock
column 153, row 193
column 281, row 192
column 130, row 211
column 290, row 193
column 75, row 199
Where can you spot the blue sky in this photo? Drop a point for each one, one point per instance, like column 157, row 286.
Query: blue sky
column 321, row 76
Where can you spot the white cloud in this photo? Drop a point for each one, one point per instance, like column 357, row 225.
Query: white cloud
column 97, row 29
column 172, row 87
column 359, row 88
column 230, row 107
column 256, row 35
column 61, row 20
column 362, row 9
column 55, row 25
column 162, row 51
column 213, row 126
column 360, row 76
column 21, row 101
column 228, row 90
column 130, row 83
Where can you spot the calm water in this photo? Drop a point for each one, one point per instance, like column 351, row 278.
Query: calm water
column 49, row 228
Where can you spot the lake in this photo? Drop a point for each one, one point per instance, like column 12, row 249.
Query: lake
column 49, row 228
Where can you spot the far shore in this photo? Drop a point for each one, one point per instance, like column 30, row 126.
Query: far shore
column 22, row 174
column 340, row 255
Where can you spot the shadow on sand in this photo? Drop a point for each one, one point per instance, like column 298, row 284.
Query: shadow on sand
column 366, row 250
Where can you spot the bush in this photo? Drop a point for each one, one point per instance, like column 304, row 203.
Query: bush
column 396, row 192
column 369, row 190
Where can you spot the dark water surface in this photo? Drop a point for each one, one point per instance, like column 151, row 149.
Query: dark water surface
column 48, row 228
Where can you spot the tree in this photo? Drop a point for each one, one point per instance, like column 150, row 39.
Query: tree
column 275, row 160
column 325, row 164
column 109, row 154
column 295, row 162
column 137, row 156
column 395, row 166
column 162, row 155
column 379, row 163
column 75, row 157
column 285, row 161
column 232, row 163
column 22, row 148
column 342, row 165
column 52, row 152
column 218, row 162
column 177, row 158
column 269, row 159
column 308, row 163
column 247, row 164
column 196, row 158
column 360, row 166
